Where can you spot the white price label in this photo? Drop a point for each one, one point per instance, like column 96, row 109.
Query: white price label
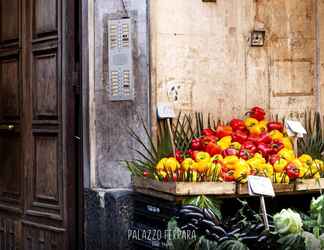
column 259, row 185
column 165, row 110
column 295, row 128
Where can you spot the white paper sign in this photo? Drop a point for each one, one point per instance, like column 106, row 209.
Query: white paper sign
column 295, row 128
column 165, row 110
column 259, row 185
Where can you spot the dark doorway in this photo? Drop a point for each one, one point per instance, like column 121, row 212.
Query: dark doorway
column 40, row 182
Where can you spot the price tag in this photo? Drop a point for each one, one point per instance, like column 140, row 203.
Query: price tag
column 295, row 128
column 259, row 185
column 165, row 111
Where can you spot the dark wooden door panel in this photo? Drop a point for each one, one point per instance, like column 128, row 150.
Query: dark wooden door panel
column 10, row 233
column 46, row 175
column 37, row 196
column 10, row 171
column 9, row 87
column 9, row 20
column 45, row 17
column 39, row 237
column 46, row 84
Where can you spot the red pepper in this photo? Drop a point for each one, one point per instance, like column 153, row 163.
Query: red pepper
column 237, row 124
column 273, row 159
column 230, row 151
column 257, row 113
column 265, row 150
column 292, row 171
column 146, row 173
column 207, row 139
column 189, row 153
column 207, row 132
column 249, row 146
column 227, row 175
column 253, row 138
column 213, row 149
column 194, row 154
column 264, row 138
column 245, row 154
column 223, row 131
column 196, row 144
column 178, row 155
column 239, row 136
column 275, row 126
column 276, row 146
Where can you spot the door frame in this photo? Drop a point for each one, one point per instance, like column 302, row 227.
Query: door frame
column 84, row 149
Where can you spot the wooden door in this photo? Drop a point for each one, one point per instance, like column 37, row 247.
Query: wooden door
column 37, row 171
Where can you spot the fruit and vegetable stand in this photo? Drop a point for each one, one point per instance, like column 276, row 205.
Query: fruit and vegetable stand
column 180, row 190
column 211, row 158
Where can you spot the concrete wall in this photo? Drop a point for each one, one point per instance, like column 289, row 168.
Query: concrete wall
column 110, row 142
column 203, row 50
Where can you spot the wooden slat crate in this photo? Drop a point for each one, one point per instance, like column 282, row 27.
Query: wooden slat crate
column 242, row 189
column 150, row 186
column 172, row 190
column 309, row 185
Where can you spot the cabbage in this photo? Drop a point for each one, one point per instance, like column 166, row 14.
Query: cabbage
column 288, row 222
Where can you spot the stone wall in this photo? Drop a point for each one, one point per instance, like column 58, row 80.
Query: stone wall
column 110, row 138
column 202, row 59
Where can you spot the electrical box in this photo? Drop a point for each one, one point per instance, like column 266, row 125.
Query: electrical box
column 120, row 46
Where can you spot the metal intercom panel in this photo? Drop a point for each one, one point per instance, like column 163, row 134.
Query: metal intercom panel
column 121, row 78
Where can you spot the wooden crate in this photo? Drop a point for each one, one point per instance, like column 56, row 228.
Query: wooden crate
column 242, row 189
column 162, row 189
column 309, row 185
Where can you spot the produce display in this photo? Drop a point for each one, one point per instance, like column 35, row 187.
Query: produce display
column 231, row 152
column 288, row 229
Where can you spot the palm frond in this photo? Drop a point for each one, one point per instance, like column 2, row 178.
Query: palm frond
column 313, row 142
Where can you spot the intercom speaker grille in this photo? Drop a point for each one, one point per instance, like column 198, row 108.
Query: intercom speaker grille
column 120, row 65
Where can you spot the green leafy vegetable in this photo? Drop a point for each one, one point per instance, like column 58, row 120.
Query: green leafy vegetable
column 288, row 222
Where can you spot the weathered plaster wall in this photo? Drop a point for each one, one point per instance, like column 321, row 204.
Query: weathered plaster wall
column 321, row 50
column 111, row 142
column 203, row 50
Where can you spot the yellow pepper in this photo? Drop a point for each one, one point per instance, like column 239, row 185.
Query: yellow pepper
column 317, row 176
column 218, row 158
column 320, row 163
column 225, row 142
column 255, row 130
column 298, row 163
column 162, row 174
column 280, row 178
column 280, row 165
column 161, row 164
column 256, row 161
column 267, row 169
column 263, row 125
column 235, row 145
column 250, row 122
column 275, row 135
column 315, row 168
column 187, row 164
column 194, row 176
column 203, row 166
column 286, row 142
column 303, row 172
column 231, row 161
column 287, row 154
column 307, row 159
column 172, row 164
column 242, row 170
